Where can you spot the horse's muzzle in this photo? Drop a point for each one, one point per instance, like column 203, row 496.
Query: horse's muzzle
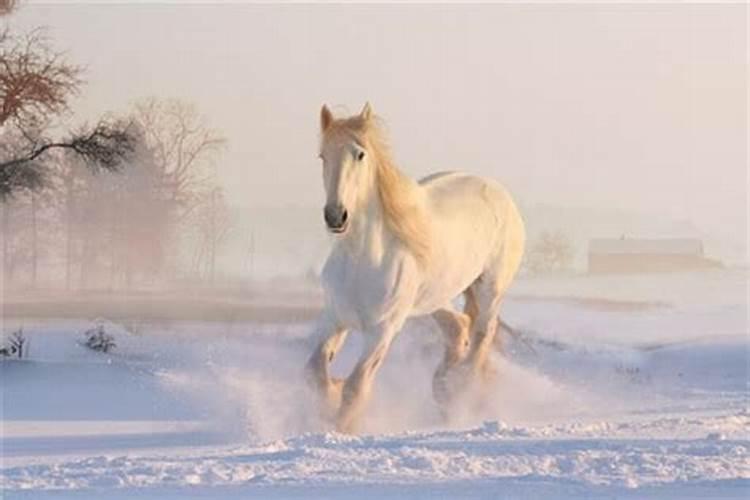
column 336, row 217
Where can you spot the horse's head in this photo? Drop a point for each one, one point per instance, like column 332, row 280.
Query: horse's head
column 348, row 166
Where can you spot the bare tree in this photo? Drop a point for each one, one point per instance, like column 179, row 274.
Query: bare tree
column 6, row 6
column 36, row 85
column 36, row 81
column 551, row 252
column 212, row 224
column 15, row 236
column 106, row 146
column 115, row 228
column 184, row 149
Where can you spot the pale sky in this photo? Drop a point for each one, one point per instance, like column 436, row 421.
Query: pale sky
column 636, row 107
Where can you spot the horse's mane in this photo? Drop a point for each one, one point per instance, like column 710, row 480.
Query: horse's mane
column 398, row 194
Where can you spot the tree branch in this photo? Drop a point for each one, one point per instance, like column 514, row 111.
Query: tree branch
column 107, row 146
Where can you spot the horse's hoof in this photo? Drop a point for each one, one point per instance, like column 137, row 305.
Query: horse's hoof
column 464, row 378
column 448, row 386
column 347, row 424
column 333, row 394
column 328, row 400
column 488, row 374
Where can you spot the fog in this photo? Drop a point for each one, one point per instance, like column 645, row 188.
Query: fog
column 157, row 311
column 602, row 120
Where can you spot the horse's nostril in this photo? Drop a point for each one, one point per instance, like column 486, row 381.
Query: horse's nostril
column 335, row 216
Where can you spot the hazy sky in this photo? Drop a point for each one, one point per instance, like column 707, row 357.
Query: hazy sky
column 629, row 106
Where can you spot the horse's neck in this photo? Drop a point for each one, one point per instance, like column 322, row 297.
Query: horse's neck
column 369, row 235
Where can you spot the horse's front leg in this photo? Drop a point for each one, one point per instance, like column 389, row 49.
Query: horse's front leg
column 358, row 386
column 331, row 337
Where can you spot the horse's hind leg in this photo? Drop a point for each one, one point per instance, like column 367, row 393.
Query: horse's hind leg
column 488, row 291
column 456, row 328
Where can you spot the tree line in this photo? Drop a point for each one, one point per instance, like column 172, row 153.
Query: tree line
column 160, row 216
column 127, row 202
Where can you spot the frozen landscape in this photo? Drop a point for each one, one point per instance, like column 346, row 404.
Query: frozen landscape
column 632, row 387
column 169, row 186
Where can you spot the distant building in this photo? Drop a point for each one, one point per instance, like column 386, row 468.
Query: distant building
column 626, row 255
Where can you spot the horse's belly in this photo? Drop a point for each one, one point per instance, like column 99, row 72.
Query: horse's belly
column 432, row 302
column 465, row 235
column 439, row 291
column 448, row 278
column 437, row 295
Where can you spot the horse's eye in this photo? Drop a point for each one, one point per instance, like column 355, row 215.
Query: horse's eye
column 360, row 156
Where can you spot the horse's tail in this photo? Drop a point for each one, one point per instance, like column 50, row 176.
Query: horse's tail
column 505, row 326
column 516, row 334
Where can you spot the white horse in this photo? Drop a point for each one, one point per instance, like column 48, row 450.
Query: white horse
column 406, row 248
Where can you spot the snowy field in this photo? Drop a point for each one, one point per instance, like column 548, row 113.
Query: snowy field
column 633, row 387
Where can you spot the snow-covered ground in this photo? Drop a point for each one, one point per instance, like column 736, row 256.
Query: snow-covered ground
column 632, row 387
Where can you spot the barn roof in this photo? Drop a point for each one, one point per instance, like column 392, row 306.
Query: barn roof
column 672, row 246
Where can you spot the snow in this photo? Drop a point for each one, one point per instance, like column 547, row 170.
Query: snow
column 629, row 391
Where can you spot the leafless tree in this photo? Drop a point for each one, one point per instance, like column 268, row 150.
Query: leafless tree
column 36, row 85
column 184, row 149
column 106, row 146
column 212, row 224
column 36, row 82
column 551, row 252
column 6, row 6
column 115, row 227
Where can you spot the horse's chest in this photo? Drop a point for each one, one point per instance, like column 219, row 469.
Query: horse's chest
column 363, row 294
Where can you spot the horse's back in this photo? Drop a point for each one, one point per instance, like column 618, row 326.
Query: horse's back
column 437, row 176
column 476, row 228
column 456, row 192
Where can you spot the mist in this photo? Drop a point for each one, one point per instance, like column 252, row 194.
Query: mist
column 162, row 240
column 602, row 120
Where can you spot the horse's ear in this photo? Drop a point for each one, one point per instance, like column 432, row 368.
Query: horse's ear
column 366, row 113
column 326, row 118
